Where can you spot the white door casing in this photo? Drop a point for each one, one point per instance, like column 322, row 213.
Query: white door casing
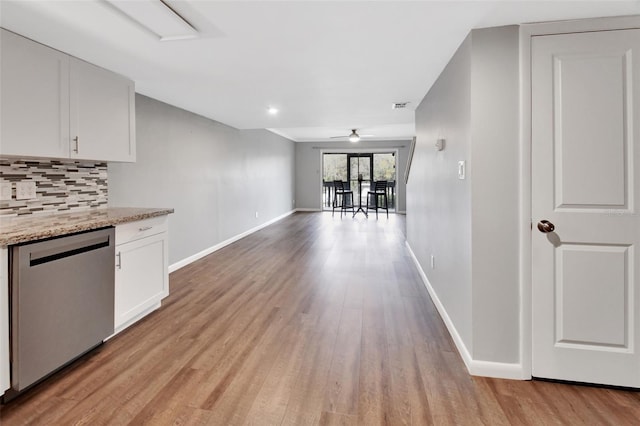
column 585, row 274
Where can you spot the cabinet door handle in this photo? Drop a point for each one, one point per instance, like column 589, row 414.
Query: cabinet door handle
column 145, row 228
column 77, row 141
column 119, row 260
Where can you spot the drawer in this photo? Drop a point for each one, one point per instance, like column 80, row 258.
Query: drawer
column 132, row 231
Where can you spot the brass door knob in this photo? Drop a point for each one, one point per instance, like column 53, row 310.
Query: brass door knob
column 545, row 226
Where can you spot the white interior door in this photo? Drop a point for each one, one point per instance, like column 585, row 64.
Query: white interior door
column 586, row 182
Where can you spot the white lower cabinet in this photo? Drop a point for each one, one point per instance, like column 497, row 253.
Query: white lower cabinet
column 141, row 279
column 4, row 320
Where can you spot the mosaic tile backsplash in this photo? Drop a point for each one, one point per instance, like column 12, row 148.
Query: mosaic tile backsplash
column 60, row 185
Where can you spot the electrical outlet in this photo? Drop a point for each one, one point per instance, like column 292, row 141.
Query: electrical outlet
column 25, row 190
column 5, row 191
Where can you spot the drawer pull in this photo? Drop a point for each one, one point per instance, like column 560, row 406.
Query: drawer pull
column 119, row 260
column 145, row 228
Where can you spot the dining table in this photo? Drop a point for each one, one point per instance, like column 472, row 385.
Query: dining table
column 360, row 208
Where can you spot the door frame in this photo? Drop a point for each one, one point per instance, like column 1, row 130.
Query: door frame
column 363, row 154
column 527, row 32
column 395, row 151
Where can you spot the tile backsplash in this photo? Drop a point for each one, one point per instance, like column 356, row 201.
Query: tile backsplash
column 61, row 185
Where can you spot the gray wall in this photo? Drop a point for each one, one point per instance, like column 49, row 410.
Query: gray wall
column 438, row 203
column 309, row 175
column 495, row 177
column 471, row 226
column 214, row 176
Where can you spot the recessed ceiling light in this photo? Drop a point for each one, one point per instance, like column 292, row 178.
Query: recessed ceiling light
column 157, row 17
column 272, row 110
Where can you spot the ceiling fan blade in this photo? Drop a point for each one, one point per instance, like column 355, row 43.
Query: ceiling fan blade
column 354, row 132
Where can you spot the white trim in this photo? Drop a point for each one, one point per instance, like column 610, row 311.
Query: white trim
column 135, row 319
column 281, row 134
column 360, row 150
column 305, row 209
column 462, row 349
column 184, row 262
column 475, row 367
column 500, row 370
column 582, row 25
column 525, row 203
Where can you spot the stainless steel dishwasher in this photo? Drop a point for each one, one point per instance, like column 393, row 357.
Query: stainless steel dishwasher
column 61, row 302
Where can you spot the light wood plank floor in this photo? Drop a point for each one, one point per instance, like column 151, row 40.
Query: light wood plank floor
column 313, row 320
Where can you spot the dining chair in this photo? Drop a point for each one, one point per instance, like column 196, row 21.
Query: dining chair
column 373, row 197
column 342, row 191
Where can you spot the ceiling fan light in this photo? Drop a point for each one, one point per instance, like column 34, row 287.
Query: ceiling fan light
column 354, row 137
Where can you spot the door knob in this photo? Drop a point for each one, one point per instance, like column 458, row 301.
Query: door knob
column 545, row 226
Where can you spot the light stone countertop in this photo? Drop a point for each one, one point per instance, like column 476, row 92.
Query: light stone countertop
column 21, row 229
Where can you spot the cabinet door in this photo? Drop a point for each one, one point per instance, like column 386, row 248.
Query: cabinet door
column 35, row 99
column 102, row 114
column 141, row 277
column 4, row 320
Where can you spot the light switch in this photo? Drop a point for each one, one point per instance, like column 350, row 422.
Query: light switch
column 5, row 191
column 462, row 172
column 25, row 190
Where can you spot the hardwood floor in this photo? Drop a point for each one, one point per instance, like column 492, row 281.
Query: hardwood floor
column 313, row 320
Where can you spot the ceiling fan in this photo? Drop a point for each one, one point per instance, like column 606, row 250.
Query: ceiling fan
column 353, row 137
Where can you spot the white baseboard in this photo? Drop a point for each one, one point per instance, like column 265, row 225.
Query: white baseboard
column 136, row 318
column 500, row 370
column 184, row 262
column 475, row 367
column 462, row 348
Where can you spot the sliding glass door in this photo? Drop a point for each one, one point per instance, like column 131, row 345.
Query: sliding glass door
column 334, row 167
column 384, row 168
column 348, row 167
column 360, row 167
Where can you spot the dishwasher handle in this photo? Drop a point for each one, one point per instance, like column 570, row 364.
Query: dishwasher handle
column 74, row 249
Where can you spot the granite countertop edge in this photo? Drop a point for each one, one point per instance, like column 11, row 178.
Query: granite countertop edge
column 23, row 229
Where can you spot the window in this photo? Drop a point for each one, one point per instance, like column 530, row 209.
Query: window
column 334, row 167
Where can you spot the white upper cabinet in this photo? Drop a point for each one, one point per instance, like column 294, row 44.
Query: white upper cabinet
column 102, row 114
column 56, row 106
column 35, row 99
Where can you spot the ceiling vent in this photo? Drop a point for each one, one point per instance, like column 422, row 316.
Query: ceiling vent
column 399, row 105
column 158, row 17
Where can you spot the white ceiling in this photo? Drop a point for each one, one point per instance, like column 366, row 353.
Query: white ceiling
column 329, row 66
